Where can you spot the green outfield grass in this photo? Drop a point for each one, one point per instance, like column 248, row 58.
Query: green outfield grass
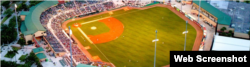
column 139, row 31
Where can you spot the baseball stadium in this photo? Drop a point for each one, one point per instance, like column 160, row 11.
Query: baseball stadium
column 110, row 34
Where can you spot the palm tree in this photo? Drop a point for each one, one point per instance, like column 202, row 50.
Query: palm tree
column 223, row 29
column 12, row 64
column 3, row 42
column 4, row 26
column 22, row 42
column 8, row 12
column 8, row 38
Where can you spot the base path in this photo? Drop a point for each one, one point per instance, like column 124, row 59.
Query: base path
column 196, row 45
column 116, row 28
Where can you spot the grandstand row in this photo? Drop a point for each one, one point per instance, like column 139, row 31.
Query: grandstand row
column 59, row 13
column 52, row 18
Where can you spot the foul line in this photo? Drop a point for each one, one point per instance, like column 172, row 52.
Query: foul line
column 107, row 17
column 85, row 35
column 92, row 43
column 82, row 37
column 102, row 53
column 94, row 21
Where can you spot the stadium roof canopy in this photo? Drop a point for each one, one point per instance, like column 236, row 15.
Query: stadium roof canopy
column 222, row 43
column 41, row 55
column 84, row 65
column 222, row 17
column 37, row 49
column 32, row 18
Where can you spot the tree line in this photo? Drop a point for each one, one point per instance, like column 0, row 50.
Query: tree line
column 29, row 60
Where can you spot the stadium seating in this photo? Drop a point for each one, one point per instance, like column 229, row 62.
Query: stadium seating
column 92, row 2
column 56, row 15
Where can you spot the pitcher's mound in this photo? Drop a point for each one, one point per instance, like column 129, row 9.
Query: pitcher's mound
column 93, row 28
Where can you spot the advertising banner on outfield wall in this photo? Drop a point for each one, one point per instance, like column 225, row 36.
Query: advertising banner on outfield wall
column 61, row 1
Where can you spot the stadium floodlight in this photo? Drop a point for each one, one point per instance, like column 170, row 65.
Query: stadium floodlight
column 199, row 11
column 185, row 32
column 16, row 23
column 155, row 40
column 70, row 33
column 15, row 6
column 181, row 5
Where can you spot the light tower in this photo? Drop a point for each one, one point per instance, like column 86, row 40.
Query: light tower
column 185, row 32
column 181, row 5
column 199, row 11
column 155, row 40
column 70, row 33
column 16, row 23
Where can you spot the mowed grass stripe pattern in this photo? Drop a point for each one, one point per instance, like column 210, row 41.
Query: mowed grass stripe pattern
column 139, row 31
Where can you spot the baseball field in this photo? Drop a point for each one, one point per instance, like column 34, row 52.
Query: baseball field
column 125, row 37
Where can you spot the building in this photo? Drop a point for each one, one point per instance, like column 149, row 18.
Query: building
column 41, row 56
column 222, row 43
column 211, row 14
column 239, row 12
column 84, row 65
column 31, row 26
column 182, row 1
column 220, row 15
column 39, row 52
